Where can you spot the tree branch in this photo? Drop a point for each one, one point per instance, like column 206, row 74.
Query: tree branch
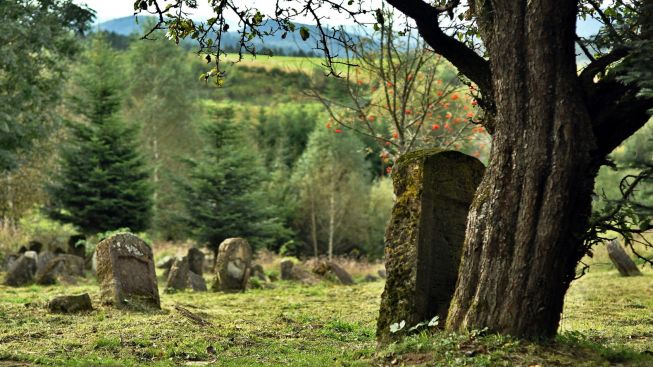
column 473, row 66
column 617, row 112
column 599, row 65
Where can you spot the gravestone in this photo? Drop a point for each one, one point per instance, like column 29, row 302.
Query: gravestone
column 62, row 266
column 196, row 282
column 259, row 273
column 621, row 260
column 425, row 235
column 195, row 260
column 125, row 271
column 22, row 250
column 9, row 260
column 178, row 276
column 286, row 269
column 233, row 265
column 329, row 267
column 75, row 248
column 70, row 304
column 382, row 273
column 166, row 262
column 22, row 270
column 43, row 259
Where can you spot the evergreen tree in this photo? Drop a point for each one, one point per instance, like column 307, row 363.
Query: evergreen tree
column 224, row 194
column 102, row 184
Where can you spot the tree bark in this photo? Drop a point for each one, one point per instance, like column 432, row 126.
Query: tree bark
column 314, row 227
column 526, row 225
column 332, row 220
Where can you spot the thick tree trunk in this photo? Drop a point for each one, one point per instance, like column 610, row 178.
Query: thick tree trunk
column 526, row 224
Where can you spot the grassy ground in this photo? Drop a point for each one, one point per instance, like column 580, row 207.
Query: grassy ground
column 608, row 321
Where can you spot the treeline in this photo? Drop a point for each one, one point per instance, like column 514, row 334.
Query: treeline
column 148, row 147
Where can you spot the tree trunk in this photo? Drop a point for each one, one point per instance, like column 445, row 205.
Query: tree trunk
column 526, row 225
column 314, row 227
column 332, row 220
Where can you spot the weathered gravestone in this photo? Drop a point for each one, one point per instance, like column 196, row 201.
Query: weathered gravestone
column 233, row 265
column 195, row 260
column 22, row 270
column 70, row 304
column 196, row 282
column 178, row 275
column 259, row 273
column 125, row 271
column 621, row 260
column 43, row 259
column 424, row 239
column 61, row 266
column 329, row 267
column 9, row 260
column 286, row 269
column 76, row 245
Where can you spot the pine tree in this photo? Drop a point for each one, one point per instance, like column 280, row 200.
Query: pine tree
column 102, row 184
column 224, row 195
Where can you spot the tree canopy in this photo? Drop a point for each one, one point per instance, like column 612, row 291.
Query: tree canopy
column 38, row 37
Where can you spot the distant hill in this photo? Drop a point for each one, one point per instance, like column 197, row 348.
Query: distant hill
column 291, row 45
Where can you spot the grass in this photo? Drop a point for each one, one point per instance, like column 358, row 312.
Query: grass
column 608, row 321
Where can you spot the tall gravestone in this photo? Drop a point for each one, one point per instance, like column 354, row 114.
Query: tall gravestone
column 233, row 266
column 424, row 238
column 195, row 260
column 22, row 270
column 178, row 275
column 125, row 271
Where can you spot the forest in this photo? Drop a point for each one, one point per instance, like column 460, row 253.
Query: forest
column 403, row 191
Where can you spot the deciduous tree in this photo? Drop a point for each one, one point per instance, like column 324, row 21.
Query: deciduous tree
column 552, row 128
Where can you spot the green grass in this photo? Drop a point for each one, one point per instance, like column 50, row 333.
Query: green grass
column 608, row 320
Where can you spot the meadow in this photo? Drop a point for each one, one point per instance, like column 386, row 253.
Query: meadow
column 607, row 321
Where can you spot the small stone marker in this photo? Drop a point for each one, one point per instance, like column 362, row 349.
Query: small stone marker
column 195, row 260
column 166, row 262
column 329, row 267
column 9, row 260
column 340, row 273
column 125, row 271
column 258, row 272
column 233, row 265
column 75, row 248
column 370, row 278
column 70, row 304
column 22, row 270
column 621, row 260
column 286, row 269
column 178, row 276
column 425, row 235
column 43, row 259
column 196, row 282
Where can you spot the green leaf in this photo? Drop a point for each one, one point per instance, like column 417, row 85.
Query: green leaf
column 304, row 33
